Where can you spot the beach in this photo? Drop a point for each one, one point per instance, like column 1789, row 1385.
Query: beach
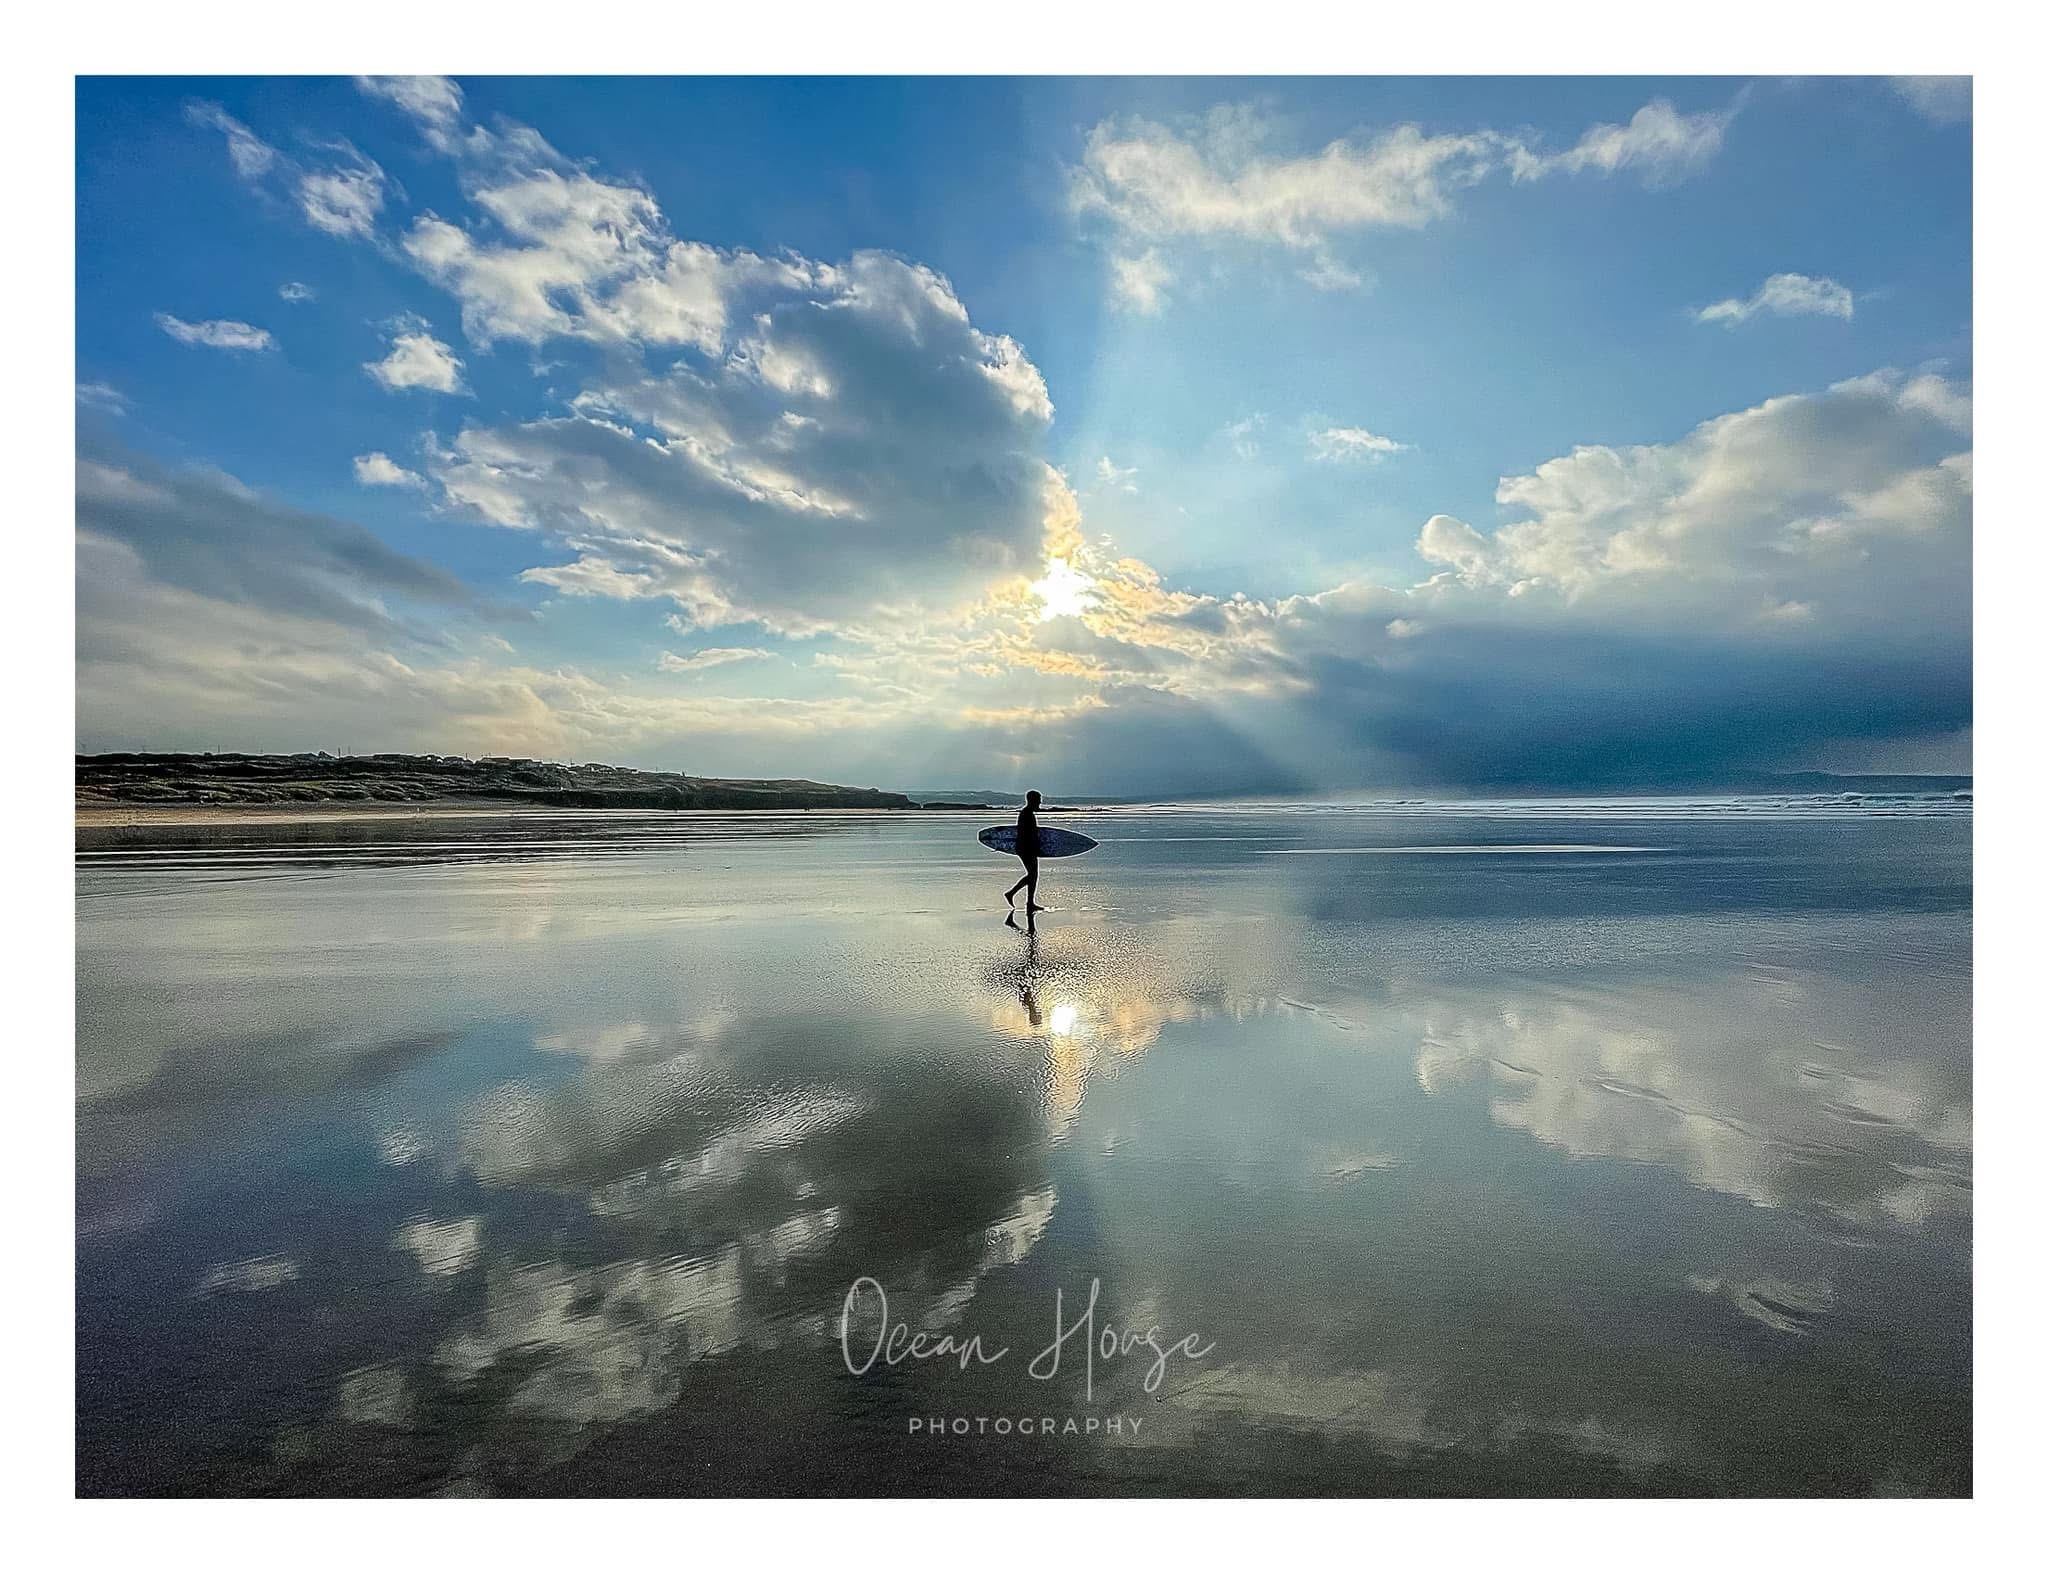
column 1613, row 1147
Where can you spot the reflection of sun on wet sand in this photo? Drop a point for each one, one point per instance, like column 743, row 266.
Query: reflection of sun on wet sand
column 1084, row 999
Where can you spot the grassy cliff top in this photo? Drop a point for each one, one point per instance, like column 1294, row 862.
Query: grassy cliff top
column 118, row 780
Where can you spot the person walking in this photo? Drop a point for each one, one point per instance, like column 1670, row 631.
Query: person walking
column 1027, row 851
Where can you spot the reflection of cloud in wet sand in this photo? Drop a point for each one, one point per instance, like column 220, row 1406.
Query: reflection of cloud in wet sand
column 251, row 1276
column 442, row 1247
column 603, row 1343
column 737, row 1192
column 1391, row 1409
column 1789, row 1307
column 375, row 1396
column 1730, row 1082
column 778, row 1127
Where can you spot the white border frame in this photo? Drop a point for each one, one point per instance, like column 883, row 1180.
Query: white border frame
column 1478, row 37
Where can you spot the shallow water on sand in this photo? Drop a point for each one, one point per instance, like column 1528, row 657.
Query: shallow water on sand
column 1481, row 1150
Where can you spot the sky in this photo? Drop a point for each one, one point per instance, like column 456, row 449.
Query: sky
column 1112, row 436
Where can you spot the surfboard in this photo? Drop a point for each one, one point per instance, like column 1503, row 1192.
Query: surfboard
column 1051, row 843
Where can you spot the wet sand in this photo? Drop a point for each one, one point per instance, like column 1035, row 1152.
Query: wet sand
column 1627, row 1151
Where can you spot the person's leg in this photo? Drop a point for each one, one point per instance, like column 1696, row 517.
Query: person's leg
column 1031, row 886
column 1010, row 895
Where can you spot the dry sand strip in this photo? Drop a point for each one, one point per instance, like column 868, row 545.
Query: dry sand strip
column 1510, row 847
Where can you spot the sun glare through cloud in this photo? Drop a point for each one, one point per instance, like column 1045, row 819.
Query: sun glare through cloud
column 1063, row 592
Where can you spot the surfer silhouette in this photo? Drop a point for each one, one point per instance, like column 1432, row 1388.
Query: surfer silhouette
column 1027, row 852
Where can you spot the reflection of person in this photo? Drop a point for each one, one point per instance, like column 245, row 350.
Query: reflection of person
column 1027, row 851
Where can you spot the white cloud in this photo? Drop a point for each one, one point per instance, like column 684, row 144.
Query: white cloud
column 1243, row 435
column 558, row 251
column 1943, row 100
column 744, row 488
column 434, row 102
column 418, row 360
column 1326, row 273
column 379, row 469
column 103, row 396
column 221, row 334
column 1336, row 444
column 248, row 153
column 342, row 196
column 1785, row 295
column 592, row 575
column 1659, row 144
column 345, row 200
column 1866, row 485
column 1140, row 282
column 1110, row 474
column 1211, row 179
column 295, row 293
column 1214, row 180
column 717, row 656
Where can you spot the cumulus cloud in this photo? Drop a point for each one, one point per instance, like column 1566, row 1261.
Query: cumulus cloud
column 556, row 251
column 379, row 469
column 418, row 360
column 858, row 447
column 1785, row 295
column 1780, row 502
column 220, row 334
column 295, row 293
column 1350, row 444
column 1943, row 100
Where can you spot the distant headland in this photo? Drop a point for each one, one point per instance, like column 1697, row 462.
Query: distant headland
column 301, row 781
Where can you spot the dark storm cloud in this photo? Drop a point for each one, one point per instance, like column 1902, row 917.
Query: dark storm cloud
column 1574, row 707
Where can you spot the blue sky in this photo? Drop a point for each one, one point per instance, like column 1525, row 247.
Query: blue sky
column 1129, row 435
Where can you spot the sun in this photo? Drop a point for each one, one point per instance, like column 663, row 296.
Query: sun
column 1064, row 592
